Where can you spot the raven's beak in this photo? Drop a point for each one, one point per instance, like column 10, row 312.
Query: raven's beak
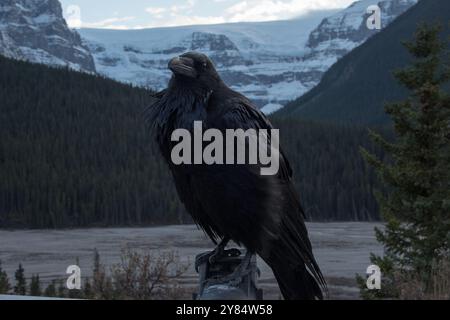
column 183, row 66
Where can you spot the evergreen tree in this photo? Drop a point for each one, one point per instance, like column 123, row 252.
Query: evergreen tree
column 99, row 275
column 50, row 291
column 35, row 286
column 61, row 291
column 21, row 283
column 417, row 205
column 5, row 287
column 87, row 290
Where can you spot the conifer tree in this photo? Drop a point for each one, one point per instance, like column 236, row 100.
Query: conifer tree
column 87, row 290
column 61, row 291
column 21, row 283
column 5, row 286
column 416, row 206
column 50, row 291
column 35, row 286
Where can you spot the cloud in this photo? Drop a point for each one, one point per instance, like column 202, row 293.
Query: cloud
column 192, row 12
column 110, row 23
column 182, row 20
column 179, row 15
column 247, row 10
column 156, row 12
column 265, row 10
column 188, row 5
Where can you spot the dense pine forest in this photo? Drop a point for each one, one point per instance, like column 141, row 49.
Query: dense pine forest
column 74, row 152
column 332, row 178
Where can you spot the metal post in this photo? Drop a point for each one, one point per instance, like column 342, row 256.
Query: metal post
column 221, row 281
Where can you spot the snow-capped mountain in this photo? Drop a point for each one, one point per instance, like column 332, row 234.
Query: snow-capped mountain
column 257, row 59
column 35, row 30
column 270, row 62
column 338, row 34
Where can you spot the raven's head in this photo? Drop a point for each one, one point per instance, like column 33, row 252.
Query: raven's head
column 195, row 68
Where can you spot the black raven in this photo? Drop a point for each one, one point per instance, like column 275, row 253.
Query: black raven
column 235, row 202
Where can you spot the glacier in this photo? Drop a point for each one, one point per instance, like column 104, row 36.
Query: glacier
column 271, row 63
column 253, row 58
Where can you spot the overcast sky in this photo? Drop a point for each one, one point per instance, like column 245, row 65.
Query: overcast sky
column 119, row 14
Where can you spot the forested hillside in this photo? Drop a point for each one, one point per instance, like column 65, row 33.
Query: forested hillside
column 329, row 172
column 356, row 88
column 74, row 152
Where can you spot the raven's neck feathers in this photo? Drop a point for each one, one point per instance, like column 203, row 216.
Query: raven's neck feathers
column 187, row 86
column 178, row 108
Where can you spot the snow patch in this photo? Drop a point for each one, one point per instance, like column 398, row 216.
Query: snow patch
column 271, row 108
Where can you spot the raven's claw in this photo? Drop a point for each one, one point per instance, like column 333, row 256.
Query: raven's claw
column 216, row 255
column 222, row 253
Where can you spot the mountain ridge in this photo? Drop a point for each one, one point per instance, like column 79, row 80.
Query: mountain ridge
column 365, row 74
column 272, row 63
column 35, row 30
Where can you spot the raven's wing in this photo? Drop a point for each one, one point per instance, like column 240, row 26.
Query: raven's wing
column 242, row 115
column 286, row 243
column 191, row 196
column 151, row 111
column 182, row 174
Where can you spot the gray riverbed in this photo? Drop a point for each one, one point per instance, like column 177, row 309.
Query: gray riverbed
column 342, row 250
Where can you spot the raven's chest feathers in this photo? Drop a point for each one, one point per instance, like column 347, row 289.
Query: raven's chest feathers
column 177, row 110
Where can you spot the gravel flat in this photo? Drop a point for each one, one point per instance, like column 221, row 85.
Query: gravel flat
column 342, row 250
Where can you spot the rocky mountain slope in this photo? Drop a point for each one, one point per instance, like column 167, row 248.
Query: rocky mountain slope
column 35, row 30
column 340, row 33
column 270, row 62
column 356, row 88
column 262, row 60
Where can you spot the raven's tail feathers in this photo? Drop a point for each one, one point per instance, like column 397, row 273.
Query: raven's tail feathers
column 293, row 263
column 296, row 283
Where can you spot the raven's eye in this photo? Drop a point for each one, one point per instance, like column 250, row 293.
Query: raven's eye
column 204, row 65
